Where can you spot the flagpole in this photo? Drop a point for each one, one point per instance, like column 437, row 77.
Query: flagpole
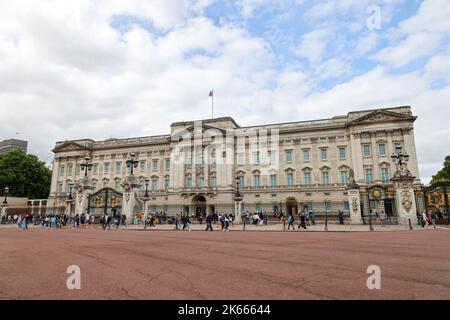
column 212, row 105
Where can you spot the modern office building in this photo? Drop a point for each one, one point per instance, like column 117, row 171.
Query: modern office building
column 13, row 144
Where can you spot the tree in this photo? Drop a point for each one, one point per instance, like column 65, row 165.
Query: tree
column 444, row 173
column 25, row 175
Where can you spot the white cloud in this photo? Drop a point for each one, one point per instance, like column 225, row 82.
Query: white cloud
column 418, row 36
column 67, row 74
column 414, row 47
column 313, row 45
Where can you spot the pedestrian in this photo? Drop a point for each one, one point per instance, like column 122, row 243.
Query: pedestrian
column 433, row 219
column 152, row 221
column 106, row 222
column 291, row 222
column 209, row 220
column 341, row 217
column 82, row 219
column 382, row 218
column 265, row 218
column 312, row 216
column 307, row 218
column 302, row 221
column 25, row 223
column 425, row 219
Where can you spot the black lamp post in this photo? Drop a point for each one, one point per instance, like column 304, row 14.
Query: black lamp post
column 5, row 202
column 146, row 198
column 86, row 165
column 132, row 163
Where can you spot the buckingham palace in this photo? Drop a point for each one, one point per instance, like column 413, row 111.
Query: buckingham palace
column 277, row 168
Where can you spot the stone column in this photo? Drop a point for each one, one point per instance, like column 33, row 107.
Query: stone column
column 404, row 200
column 130, row 189
column 83, row 189
column 238, row 212
column 354, row 199
column 355, row 206
column 3, row 211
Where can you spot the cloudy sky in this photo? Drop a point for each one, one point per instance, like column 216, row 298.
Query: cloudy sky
column 113, row 68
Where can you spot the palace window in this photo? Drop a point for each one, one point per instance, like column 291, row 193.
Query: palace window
column 382, row 150
column 106, row 168
column 307, row 178
column 327, row 206
column 369, row 175
column 241, row 181
column 256, row 157
column 288, row 156
column 95, row 169
column 77, row 169
column 189, row 183
column 167, row 164
column 117, row 184
column 342, row 153
column 213, row 181
column 344, row 177
column 118, row 167
column 189, row 162
column 142, row 185
column 272, row 155
column 69, row 169
column 325, row 178
column 142, row 166
column 397, row 147
column 324, row 154
column 256, row 180
column 346, row 206
column 384, row 174
column 367, row 150
column 61, row 170
column 166, row 183
column 273, row 180
column 155, row 164
column 258, row 207
column 60, row 187
column 240, row 159
column 154, row 185
column 305, row 154
column 290, row 179
column 94, row 185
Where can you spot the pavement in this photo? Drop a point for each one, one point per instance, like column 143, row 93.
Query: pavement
column 138, row 264
column 320, row 227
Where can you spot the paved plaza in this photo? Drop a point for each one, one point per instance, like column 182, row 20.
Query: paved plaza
column 164, row 264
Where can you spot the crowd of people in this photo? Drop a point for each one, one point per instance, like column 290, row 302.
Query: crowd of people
column 222, row 220
column 427, row 218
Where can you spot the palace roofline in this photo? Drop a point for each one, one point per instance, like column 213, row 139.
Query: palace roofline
column 307, row 125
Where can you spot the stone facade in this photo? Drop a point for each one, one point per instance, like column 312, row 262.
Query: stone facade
column 313, row 160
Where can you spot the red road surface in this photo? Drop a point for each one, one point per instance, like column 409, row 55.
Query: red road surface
column 127, row 264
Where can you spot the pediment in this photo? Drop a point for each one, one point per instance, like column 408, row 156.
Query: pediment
column 378, row 116
column 69, row 146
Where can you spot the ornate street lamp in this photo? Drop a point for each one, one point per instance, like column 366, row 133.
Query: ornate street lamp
column 85, row 165
column 5, row 202
column 400, row 159
column 146, row 198
column 132, row 163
